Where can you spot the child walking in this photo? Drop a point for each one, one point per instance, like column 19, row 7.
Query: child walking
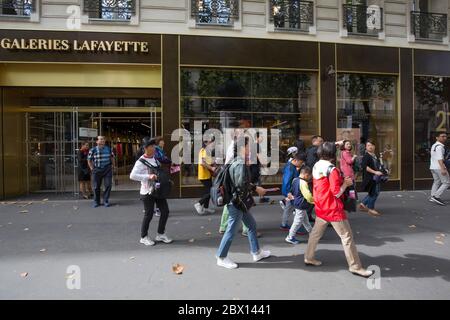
column 302, row 200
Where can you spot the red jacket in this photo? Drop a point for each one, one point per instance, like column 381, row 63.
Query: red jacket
column 327, row 206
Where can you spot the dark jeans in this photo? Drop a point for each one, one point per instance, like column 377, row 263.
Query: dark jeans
column 149, row 205
column 204, row 201
column 372, row 197
column 99, row 175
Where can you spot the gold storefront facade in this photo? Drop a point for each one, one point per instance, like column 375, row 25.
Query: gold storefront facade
column 56, row 94
column 49, row 108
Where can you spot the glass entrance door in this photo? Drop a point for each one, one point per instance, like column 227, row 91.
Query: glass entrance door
column 51, row 144
column 55, row 136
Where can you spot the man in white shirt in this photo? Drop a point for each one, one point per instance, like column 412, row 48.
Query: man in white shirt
column 438, row 169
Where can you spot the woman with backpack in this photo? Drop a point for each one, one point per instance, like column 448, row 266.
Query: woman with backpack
column 239, row 206
column 328, row 190
column 155, row 187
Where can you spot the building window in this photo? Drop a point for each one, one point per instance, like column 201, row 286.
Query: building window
column 431, row 115
column 17, row 8
column 215, row 12
column 232, row 98
column 367, row 108
column 292, row 14
column 362, row 19
column 429, row 26
column 121, row 10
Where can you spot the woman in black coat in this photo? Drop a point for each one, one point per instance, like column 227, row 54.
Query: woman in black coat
column 370, row 166
column 84, row 173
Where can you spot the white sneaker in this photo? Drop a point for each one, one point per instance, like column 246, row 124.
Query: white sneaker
column 210, row 210
column 163, row 238
column 226, row 263
column 199, row 208
column 263, row 254
column 157, row 212
column 147, row 241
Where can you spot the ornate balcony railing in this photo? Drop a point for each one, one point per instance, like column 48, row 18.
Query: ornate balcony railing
column 362, row 20
column 215, row 12
column 428, row 25
column 20, row 8
column 110, row 9
column 292, row 14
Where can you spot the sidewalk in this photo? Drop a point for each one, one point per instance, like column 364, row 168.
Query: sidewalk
column 410, row 243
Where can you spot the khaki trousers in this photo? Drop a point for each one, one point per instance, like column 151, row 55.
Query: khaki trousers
column 344, row 231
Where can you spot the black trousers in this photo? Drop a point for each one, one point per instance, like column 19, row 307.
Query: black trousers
column 207, row 184
column 149, row 205
column 99, row 175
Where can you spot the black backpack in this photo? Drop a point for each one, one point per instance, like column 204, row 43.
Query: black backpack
column 299, row 201
column 221, row 189
column 163, row 185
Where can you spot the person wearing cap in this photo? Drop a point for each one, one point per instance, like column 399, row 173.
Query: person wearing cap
column 205, row 170
column 142, row 172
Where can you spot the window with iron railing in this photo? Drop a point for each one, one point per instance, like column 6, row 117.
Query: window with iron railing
column 215, row 12
column 17, row 8
column 429, row 25
column 292, row 14
column 121, row 10
column 362, row 19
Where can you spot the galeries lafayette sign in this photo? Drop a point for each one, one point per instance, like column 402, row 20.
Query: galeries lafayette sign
column 77, row 46
column 67, row 45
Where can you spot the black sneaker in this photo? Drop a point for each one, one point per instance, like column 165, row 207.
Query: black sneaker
column 264, row 200
column 437, row 200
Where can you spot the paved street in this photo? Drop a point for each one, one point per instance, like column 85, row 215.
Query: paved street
column 410, row 243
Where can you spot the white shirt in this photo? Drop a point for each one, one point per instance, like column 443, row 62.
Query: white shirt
column 437, row 153
column 141, row 173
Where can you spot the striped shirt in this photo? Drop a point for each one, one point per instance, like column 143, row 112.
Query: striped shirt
column 101, row 157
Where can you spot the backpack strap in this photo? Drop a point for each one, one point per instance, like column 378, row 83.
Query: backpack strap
column 330, row 168
column 149, row 165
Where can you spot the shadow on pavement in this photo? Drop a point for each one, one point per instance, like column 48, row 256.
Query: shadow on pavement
column 409, row 265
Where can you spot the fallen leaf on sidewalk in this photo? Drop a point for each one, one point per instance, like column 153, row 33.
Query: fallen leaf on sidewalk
column 23, row 211
column 69, row 226
column 9, row 223
column 43, row 250
column 191, row 240
column 208, row 233
column 439, row 242
column 202, row 227
column 437, row 270
column 399, row 196
column 177, row 268
column 24, row 274
column 26, row 229
column 132, row 258
column 46, row 199
column 412, row 226
column 75, row 208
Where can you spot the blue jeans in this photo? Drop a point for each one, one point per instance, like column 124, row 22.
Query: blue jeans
column 234, row 218
column 369, row 200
